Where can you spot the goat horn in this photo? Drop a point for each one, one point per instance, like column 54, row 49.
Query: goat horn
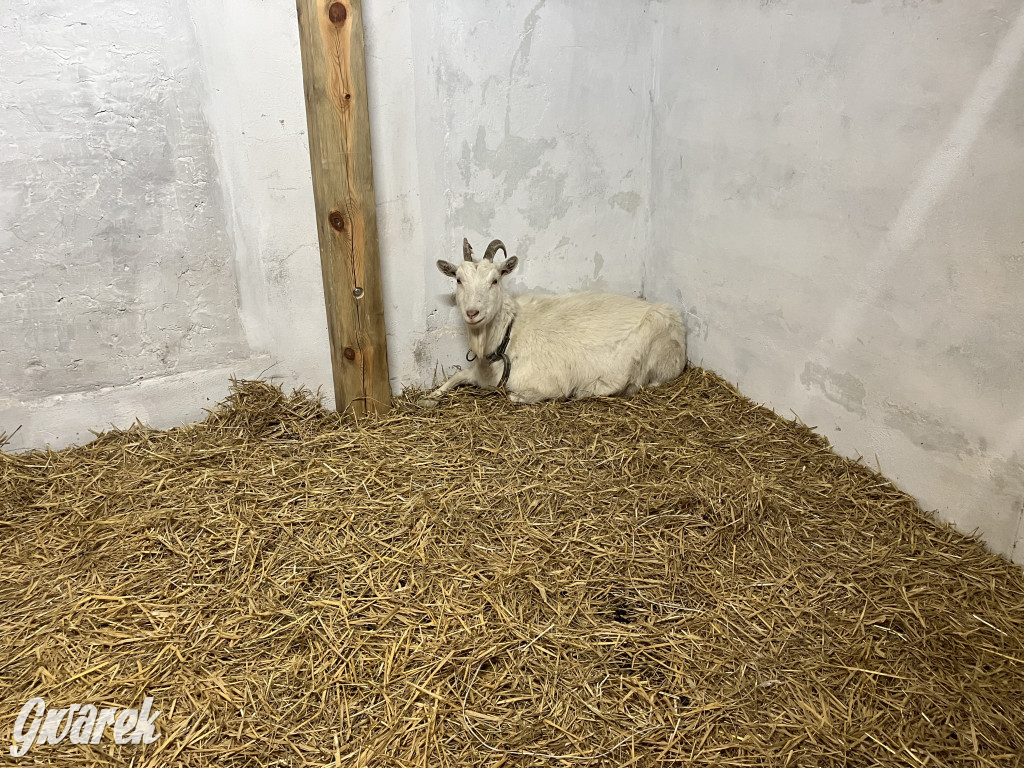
column 493, row 249
column 467, row 250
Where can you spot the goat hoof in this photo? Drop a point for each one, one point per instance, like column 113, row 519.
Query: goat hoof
column 427, row 402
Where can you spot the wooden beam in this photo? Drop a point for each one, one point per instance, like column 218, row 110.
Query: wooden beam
column 334, row 72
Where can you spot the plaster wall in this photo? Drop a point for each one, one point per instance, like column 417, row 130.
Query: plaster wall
column 128, row 287
column 830, row 193
column 116, row 266
column 532, row 125
column 837, row 207
column 156, row 211
column 485, row 122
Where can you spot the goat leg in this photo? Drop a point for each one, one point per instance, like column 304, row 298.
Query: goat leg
column 458, row 379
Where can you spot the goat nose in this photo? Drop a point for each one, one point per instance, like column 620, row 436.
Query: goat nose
column 472, row 312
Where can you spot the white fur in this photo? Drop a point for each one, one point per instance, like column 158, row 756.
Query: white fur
column 568, row 346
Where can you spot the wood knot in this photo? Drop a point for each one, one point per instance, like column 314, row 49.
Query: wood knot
column 337, row 13
column 336, row 220
column 350, row 354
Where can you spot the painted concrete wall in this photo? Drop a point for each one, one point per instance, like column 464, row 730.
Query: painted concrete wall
column 251, row 75
column 116, row 266
column 116, row 263
column 831, row 193
column 156, row 214
column 485, row 122
column 838, row 204
column 532, row 125
column 127, row 286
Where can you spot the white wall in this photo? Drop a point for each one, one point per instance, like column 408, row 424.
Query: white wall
column 525, row 121
column 838, row 206
column 831, row 193
column 151, row 216
column 156, row 201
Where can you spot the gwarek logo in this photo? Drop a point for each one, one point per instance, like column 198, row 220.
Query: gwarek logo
column 82, row 724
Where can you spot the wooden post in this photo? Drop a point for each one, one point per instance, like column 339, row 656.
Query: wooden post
column 334, row 72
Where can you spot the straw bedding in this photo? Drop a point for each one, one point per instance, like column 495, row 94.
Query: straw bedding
column 677, row 578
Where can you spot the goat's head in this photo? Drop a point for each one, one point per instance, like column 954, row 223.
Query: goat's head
column 478, row 290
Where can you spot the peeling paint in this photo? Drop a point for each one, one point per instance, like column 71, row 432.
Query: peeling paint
column 539, row 111
column 844, row 389
column 595, row 281
column 627, row 201
column 548, row 201
column 512, row 160
column 927, row 431
column 471, row 214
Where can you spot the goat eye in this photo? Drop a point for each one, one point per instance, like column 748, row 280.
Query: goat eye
column 458, row 280
column 494, row 282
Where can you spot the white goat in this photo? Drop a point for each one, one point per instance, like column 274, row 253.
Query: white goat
column 569, row 346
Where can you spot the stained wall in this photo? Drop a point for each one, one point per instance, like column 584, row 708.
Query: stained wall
column 830, row 193
column 837, row 207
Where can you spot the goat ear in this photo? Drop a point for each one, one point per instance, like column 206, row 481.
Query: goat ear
column 508, row 265
column 446, row 267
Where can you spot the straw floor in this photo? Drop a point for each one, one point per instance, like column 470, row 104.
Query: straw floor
column 677, row 578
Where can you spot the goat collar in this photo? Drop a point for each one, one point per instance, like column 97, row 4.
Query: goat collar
column 499, row 354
